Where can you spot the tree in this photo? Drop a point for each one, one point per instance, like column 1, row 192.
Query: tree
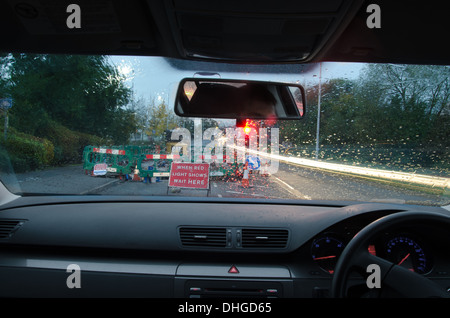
column 414, row 97
column 83, row 93
column 160, row 120
column 141, row 113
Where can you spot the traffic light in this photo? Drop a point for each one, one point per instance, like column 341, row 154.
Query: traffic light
column 249, row 126
column 247, row 129
column 246, row 124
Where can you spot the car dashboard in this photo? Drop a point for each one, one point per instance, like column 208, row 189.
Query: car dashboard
column 188, row 248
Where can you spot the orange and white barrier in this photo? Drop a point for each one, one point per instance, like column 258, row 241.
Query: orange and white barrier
column 158, row 156
column 109, row 151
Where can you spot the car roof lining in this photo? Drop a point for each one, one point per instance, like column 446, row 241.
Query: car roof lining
column 233, row 31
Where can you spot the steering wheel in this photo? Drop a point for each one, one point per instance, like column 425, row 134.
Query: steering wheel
column 356, row 258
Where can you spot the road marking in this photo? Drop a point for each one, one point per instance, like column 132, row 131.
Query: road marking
column 291, row 189
column 100, row 187
column 262, row 195
column 288, row 185
column 235, row 192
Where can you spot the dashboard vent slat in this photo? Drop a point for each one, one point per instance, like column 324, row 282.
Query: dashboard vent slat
column 264, row 238
column 8, row 227
column 203, row 237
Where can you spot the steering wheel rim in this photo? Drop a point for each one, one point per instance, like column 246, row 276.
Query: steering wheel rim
column 356, row 257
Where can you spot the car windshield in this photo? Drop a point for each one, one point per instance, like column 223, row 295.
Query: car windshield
column 106, row 125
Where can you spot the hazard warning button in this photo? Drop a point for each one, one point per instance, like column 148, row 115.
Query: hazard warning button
column 233, row 270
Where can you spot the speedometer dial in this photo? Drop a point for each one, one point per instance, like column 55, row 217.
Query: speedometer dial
column 325, row 251
column 407, row 252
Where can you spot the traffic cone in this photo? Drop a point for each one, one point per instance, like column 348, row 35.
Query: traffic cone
column 245, row 183
column 265, row 169
column 136, row 175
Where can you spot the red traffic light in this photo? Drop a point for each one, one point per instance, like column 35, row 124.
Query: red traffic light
column 247, row 125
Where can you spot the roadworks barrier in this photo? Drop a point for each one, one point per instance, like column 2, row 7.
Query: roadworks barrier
column 146, row 164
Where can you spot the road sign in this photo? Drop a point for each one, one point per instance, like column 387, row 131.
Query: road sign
column 6, row 103
column 100, row 169
column 189, row 175
column 253, row 162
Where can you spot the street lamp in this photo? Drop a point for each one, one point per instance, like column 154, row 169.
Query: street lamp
column 5, row 105
column 318, row 111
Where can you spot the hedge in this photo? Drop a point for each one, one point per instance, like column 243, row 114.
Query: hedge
column 68, row 144
column 27, row 152
column 60, row 146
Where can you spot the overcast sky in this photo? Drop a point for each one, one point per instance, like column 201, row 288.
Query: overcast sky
column 156, row 77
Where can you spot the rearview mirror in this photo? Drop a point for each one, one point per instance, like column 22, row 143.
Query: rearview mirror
column 237, row 99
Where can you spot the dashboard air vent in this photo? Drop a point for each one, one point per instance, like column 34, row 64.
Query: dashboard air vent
column 203, row 236
column 264, row 238
column 8, row 227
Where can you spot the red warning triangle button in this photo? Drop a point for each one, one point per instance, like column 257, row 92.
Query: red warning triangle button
column 233, row 270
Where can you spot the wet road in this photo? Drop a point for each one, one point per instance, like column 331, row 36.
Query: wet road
column 290, row 182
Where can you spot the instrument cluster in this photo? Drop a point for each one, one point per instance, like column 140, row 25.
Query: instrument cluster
column 401, row 248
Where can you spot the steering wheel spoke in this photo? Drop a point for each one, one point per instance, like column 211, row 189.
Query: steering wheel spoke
column 365, row 260
column 404, row 282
